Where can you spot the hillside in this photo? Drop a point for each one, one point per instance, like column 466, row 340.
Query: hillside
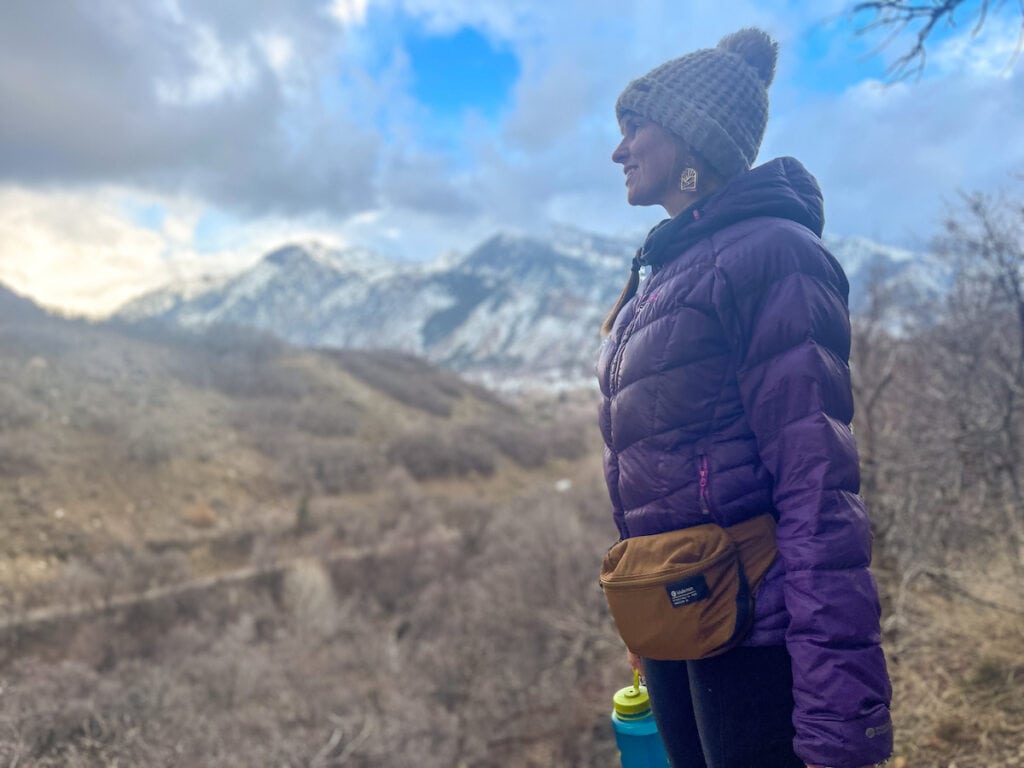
column 112, row 437
column 223, row 535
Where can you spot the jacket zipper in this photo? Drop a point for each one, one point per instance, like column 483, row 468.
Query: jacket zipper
column 705, row 507
column 626, row 334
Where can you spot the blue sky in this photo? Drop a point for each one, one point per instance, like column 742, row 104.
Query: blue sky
column 147, row 142
column 453, row 73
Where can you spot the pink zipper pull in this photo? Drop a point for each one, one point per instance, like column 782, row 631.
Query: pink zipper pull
column 704, row 485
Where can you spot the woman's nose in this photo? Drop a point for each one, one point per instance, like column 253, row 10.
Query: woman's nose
column 619, row 155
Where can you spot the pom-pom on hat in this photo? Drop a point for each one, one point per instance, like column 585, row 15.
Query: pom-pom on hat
column 715, row 99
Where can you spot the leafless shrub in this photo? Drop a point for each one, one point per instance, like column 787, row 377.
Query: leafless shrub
column 319, row 417
column 329, row 418
column 567, row 440
column 429, row 455
column 148, row 445
column 347, row 468
column 472, row 519
column 307, row 593
column 531, row 616
column 535, row 444
column 332, row 467
column 524, row 444
column 61, row 707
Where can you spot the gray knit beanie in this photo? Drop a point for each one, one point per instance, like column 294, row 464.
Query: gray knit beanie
column 715, row 99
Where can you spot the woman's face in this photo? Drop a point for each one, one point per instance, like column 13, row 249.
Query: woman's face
column 649, row 157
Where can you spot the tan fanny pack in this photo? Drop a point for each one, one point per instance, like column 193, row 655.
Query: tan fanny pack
column 689, row 593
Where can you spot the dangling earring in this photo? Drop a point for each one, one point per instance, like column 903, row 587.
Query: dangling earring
column 688, row 181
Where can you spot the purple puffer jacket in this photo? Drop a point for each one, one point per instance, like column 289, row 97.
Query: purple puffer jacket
column 727, row 394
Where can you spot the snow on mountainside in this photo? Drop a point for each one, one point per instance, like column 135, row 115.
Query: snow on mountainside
column 513, row 308
column 164, row 300
column 865, row 260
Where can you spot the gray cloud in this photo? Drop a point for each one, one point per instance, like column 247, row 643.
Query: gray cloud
column 890, row 160
column 177, row 98
column 427, row 184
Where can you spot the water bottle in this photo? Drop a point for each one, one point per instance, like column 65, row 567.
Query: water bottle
column 636, row 733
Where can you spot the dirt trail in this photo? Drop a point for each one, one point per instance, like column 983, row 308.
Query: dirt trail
column 58, row 615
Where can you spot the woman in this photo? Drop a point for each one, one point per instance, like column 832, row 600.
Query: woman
column 726, row 394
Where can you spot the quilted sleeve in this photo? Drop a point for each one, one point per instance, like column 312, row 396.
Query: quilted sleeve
column 787, row 306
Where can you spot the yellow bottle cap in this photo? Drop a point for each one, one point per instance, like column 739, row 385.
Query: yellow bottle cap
column 632, row 701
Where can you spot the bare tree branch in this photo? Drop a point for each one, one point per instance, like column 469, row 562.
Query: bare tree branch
column 923, row 17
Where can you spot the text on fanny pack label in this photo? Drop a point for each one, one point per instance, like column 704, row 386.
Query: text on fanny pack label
column 687, row 591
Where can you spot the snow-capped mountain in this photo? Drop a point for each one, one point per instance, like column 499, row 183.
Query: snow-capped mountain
column 908, row 276
column 513, row 307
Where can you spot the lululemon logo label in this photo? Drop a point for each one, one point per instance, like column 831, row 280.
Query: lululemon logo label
column 687, row 591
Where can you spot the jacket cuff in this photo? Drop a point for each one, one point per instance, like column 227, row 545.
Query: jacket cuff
column 845, row 744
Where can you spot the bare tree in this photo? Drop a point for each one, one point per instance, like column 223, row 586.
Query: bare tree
column 874, row 357
column 985, row 246
column 923, row 17
column 940, row 397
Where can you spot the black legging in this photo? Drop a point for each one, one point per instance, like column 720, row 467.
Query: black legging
column 730, row 711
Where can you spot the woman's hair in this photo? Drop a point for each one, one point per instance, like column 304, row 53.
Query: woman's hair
column 628, row 292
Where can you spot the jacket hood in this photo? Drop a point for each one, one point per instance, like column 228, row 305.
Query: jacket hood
column 781, row 188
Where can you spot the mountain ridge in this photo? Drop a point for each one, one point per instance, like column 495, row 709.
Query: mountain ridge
column 513, row 310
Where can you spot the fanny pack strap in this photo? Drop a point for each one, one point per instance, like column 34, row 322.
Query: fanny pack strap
column 744, row 607
column 755, row 542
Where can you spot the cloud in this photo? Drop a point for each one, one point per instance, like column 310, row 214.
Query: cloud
column 218, row 71
column 83, row 254
column 237, row 104
column 891, row 157
column 182, row 99
column 347, row 12
column 427, row 184
column 90, row 252
column 991, row 51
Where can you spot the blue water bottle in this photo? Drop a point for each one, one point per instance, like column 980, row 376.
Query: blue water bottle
column 636, row 733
